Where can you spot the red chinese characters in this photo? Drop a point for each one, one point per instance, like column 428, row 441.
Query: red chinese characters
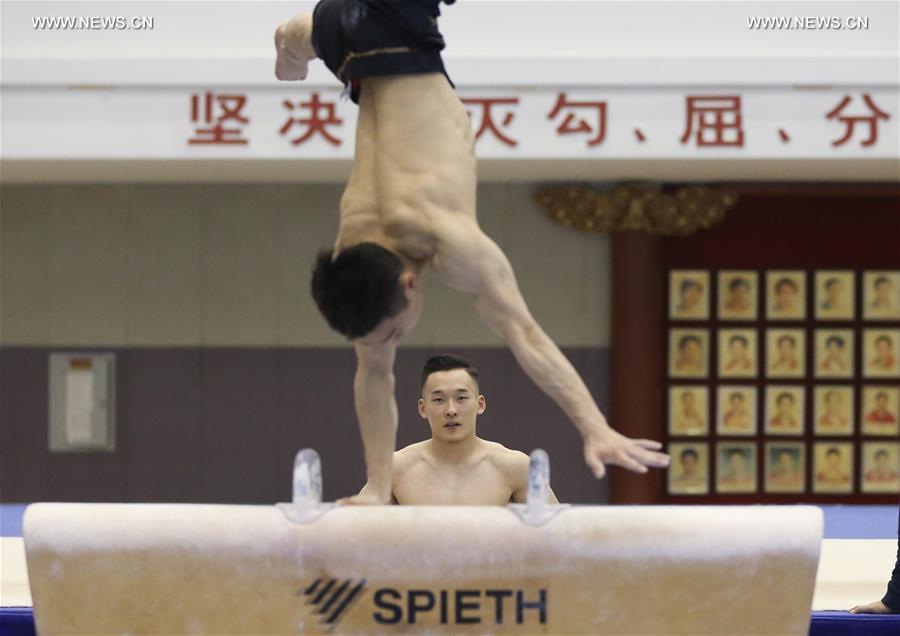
column 487, row 120
column 714, row 120
column 215, row 110
column 850, row 121
column 321, row 115
column 572, row 124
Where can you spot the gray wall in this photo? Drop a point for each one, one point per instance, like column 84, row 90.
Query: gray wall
column 225, row 368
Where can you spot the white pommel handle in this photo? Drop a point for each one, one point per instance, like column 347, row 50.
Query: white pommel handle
column 307, row 478
column 306, row 502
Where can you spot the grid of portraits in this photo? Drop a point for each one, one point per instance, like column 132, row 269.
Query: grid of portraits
column 784, row 382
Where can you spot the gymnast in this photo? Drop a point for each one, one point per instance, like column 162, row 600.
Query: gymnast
column 455, row 467
column 410, row 203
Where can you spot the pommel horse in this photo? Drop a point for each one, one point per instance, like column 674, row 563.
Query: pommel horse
column 313, row 568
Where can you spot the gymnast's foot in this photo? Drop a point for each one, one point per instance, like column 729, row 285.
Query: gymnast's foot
column 875, row 607
column 293, row 44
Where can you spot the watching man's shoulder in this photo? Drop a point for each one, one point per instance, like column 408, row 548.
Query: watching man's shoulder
column 407, row 457
column 512, row 464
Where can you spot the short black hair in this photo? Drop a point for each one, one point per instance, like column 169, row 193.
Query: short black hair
column 688, row 452
column 358, row 288
column 735, row 396
column 739, row 282
column 881, row 280
column 831, row 282
column 881, row 453
column 784, row 396
column 832, row 451
column 687, row 283
column 686, row 339
column 447, row 362
column 836, row 340
column 886, row 339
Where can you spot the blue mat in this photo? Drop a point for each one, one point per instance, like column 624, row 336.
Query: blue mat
column 19, row 621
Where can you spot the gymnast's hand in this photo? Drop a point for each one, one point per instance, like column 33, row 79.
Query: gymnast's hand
column 875, row 607
column 606, row 446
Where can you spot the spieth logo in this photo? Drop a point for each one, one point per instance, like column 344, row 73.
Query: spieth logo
column 332, row 598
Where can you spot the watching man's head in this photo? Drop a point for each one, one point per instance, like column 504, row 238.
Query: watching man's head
column 367, row 293
column 450, row 399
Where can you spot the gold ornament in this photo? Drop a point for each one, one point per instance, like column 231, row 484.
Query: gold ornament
column 632, row 208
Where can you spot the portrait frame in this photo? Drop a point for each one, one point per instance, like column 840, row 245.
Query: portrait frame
column 775, row 480
column 835, row 353
column 676, row 336
column 786, row 286
column 873, row 350
column 726, row 482
column 826, row 481
column 777, row 362
column 681, row 307
column 774, row 423
column 835, row 295
column 880, row 476
column 734, row 307
column 679, row 422
column 841, row 422
column 872, row 296
column 729, row 367
column 875, row 420
column 677, row 484
column 746, row 411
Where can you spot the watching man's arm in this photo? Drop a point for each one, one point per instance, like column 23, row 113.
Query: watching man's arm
column 475, row 263
column 376, row 410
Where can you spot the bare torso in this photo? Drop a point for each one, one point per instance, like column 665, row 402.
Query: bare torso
column 417, row 198
column 493, row 476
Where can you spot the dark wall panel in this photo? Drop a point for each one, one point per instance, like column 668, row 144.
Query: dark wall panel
column 223, row 424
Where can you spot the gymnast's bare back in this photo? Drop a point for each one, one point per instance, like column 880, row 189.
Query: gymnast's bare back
column 412, row 191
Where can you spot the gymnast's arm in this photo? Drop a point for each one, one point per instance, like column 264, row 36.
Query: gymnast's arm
column 473, row 262
column 376, row 410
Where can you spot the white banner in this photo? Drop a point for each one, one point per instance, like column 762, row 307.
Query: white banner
column 296, row 121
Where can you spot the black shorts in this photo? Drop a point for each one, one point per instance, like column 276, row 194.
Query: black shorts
column 365, row 38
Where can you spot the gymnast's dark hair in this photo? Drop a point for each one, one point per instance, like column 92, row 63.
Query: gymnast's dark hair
column 359, row 288
column 447, row 362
